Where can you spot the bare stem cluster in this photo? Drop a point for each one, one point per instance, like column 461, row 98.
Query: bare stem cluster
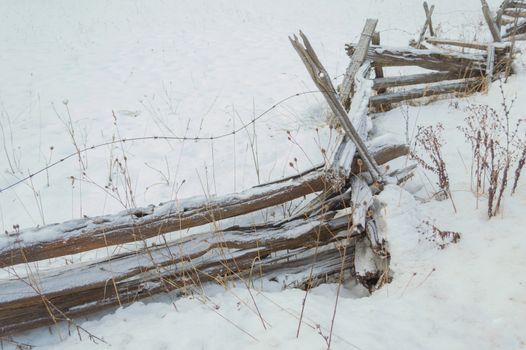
column 498, row 149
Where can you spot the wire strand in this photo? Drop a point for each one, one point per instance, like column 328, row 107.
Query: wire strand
column 145, row 138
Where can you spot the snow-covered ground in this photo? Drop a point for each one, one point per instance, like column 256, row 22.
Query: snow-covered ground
column 204, row 68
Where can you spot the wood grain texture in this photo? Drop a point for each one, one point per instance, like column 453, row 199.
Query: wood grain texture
column 181, row 265
column 413, row 79
column 463, row 86
column 357, row 60
column 490, row 64
column 430, row 59
column 499, row 47
column 138, row 224
column 495, row 32
column 355, row 131
column 427, row 24
column 428, row 15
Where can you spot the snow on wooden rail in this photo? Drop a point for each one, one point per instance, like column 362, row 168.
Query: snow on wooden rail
column 141, row 223
column 44, row 298
column 356, row 61
column 465, row 86
column 511, row 14
column 413, row 79
column 500, row 48
column 357, row 132
column 452, row 70
column 440, row 60
column 136, row 224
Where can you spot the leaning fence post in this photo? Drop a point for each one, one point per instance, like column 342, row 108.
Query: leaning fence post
column 490, row 63
column 428, row 14
column 489, row 20
column 357, row 59
column 426, row 25
column 378, row 70
column 322, row 80
column 500, row 12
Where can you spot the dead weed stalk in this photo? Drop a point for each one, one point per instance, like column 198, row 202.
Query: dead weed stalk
column 498, row 145
column 430, row 140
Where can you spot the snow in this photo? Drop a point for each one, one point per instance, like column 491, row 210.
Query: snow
column 202, row 68
column 103, row 224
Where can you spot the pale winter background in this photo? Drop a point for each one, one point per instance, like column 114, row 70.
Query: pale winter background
column 204, row 68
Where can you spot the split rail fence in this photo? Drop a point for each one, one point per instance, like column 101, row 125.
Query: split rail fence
column 315, row 245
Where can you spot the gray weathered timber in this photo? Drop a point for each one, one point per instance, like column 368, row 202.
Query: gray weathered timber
column 324, row 83
column 382, row 155
column 326, row 268
column 499, row 47
column 271, row 236
column 378, row 71
column 514, row 13
column 183, row 265
column 517, row 4
column 428, row 14
column 186, row 281
column 357, row 120
column 430, row 59
column 414, row 79
column 426, row 25
column 495, row 32
column 516, row 37
column 137, row 224
column 373, row 233
column 364, row 220
column 382, row 152
column 461, row 86
column 348, row 80
column 505, row 21
column 37, row 244
column 427, row 45
column 490, row 64
column 357, row 60
column 515, row 29
column 361, row 199
column 500, row 12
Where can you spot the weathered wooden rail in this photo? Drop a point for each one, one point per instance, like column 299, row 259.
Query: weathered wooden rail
column 465, row 86
column 512, row 15
column 184, row 264
column 449, row 69
column 429, row 59
column 138, row 224
column 450, row 72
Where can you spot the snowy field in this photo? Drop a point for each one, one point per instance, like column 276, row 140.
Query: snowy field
column 76, row 74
